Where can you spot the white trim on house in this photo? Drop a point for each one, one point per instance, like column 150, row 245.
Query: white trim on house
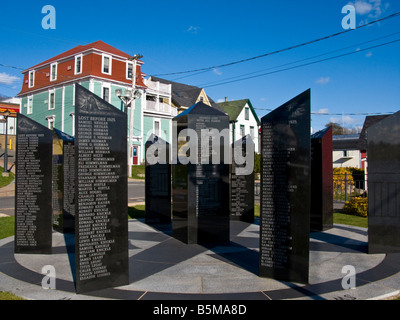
column 51, row 120
column 128, row 63
column 29, row 106
column 106, row 85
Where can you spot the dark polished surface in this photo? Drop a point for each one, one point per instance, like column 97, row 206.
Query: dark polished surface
column 384, row 185
column 33, row 208
column 201, row 191
column 63, row 182
column 101, row 229
column 285, row 191
column 321, row 216
column 158, row 181
column 242, row 188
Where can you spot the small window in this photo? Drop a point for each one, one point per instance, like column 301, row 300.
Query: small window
column 78, row 64
column 252, row 132
column 157, row 128
column 129, row 70
column 29, row 108
column 345, row 153
column 31, row 81
column 242, row 132
column 51, row 100
column 106, row 94
column 246, row 113
column 53, row 72
column 50, row 122
column 106, row 65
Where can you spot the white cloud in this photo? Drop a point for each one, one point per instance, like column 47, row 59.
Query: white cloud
column 369, row 54
column 346, row 120
column 322, row 111
column 363, row 7
column 217, row 72
column 193, row 29
column 370, row 9
column 8, row 79
column 323, row 80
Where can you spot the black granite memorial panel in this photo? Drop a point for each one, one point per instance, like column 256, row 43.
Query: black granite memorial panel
column 158, row 181
column 101, row 218
column 63, row 182
column 242, row 186
column 285, row 191
column 33, row 210
column 321, row 216
column 200, row 188
column 384, row 185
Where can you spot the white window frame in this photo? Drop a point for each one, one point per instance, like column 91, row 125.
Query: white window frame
column 109, row 66
column 104, row 86
column 55, row 64
column 31, row 79
column 242, row 133
column 252, row 131
column 29, row 106
column 52, row 92
column 51, row 120
column 76, row 60
column 128, row 63
column 246, row 113
column 72, row 114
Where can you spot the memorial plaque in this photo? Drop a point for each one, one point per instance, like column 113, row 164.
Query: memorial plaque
column 242, row 187
column 384, row 185
column 158, row 181
column 285, row 191
column 200, row 188
column 321, row 216
column 63, row 182
column 33, row 212
column 101, row 212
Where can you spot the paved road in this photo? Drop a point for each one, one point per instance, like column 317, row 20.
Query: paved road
column 135, row 194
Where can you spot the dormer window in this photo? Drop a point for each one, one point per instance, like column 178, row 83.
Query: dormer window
column 106, row 64
column 31, row 80
column 78, row 64
column 53, row 71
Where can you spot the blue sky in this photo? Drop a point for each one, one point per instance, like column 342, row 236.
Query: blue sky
column 176, row 36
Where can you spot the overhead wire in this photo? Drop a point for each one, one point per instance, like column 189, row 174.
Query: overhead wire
column 396, row 14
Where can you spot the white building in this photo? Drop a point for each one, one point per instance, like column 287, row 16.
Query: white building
column 243, row 120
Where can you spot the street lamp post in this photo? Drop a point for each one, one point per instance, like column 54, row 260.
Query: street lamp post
column 129, row 99
column 6, row 115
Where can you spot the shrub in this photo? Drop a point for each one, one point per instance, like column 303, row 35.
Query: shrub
column 357, row 206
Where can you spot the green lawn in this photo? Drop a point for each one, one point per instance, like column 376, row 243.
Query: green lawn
column 6, row 227
column 4, row 181
column 9, row 296
column 138, row 172
column 341, row 218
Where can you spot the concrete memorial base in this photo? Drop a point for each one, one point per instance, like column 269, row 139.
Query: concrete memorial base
column 163, row 268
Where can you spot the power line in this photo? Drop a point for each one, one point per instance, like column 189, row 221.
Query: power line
column 302, row 65
column 282, row 50
column 294, row 62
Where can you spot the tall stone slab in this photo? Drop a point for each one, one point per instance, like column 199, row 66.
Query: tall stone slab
column 63, row 182
column 158, row 181
column 242, row 186
column 200, row 187
column 383, row 157
column 321, row 216
column 101, row 212
column 33, row 209
column 285, row 191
